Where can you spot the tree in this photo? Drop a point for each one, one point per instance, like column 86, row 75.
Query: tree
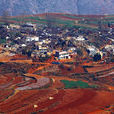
column 29, row 53
column 97, row 57
column 79, row 52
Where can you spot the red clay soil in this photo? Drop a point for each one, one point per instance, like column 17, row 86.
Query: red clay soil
column 107, row 80
column 47, row 104
column 53, row 14
column 83, row 102
column 70, row 101
column 98, row 68
column 4, row 79
column 11, row 81
column 33, row 69
column 4, row 94
column 57, row 84
column 62, row 14
column 24, row 101
column 75, row 69
column 20, row 82
column 18, row 56
column 17, row 80
column 79, row 69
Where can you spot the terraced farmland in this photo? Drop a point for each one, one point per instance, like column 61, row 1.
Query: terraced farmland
column 90, row 22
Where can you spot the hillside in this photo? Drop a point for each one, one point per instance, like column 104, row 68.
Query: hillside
column 22, row 7
column 70, row 20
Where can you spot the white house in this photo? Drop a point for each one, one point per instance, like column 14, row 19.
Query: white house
column 32, row 38
column 110, row 48
column 93, row 50
column 80, row 38
column 23, row 45
column 62, row 55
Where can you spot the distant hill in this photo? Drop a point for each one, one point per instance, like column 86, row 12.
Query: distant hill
column 28, row 7
column 69, row 20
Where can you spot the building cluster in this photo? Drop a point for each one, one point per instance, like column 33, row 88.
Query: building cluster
column 36, row 41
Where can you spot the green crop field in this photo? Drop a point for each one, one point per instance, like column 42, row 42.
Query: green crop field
column 77, row 84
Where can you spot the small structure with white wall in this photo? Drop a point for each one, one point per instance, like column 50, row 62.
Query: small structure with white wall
column 92, row 50
column 80, row 38
column 32, row 38
column 110, row 48
column 62, row 55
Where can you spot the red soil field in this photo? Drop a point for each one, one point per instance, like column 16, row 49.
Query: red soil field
column 18, row 56
column 98, row 68
column 83, row 101
column 57, row 84
column 25, row 99
column 4, row 79
column 62, row 101
column 68, row 101
column 95, row 16
column 4, row 94
column 58, row 96
column 75, row 69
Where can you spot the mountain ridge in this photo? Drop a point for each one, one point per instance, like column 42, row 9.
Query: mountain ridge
column 81, row 7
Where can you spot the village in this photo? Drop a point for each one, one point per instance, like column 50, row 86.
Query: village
column 42, row 41
column 46, row 68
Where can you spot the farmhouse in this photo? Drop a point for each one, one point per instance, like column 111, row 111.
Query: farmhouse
column 14, row 26
column 32, row 38
column 80, row 38
column 62, row 55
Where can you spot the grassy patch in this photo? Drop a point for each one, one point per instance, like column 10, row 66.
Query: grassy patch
column 2, row 41
column 77, row 84
column 56, row 21
column 74, row 17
